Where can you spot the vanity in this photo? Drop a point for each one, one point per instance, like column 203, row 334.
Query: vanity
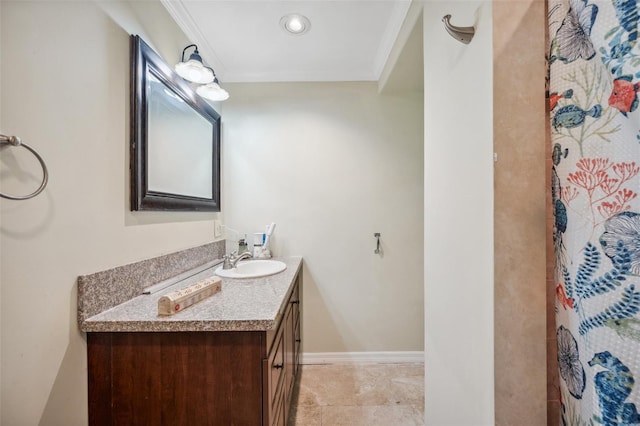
column 230, row 359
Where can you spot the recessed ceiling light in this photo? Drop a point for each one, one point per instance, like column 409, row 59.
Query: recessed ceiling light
column 295, row 24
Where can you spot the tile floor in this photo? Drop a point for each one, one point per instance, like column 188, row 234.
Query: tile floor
column 359, row 395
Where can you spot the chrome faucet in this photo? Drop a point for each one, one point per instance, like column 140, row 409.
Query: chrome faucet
column 231, row 260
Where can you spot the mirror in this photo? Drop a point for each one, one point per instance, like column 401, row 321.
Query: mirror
column 175, row 139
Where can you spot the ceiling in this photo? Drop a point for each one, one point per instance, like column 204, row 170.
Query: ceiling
column 349, row 40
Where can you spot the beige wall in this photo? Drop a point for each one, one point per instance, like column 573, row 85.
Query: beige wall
column 78, row 121
column 520, row 139
column 332, row 163
column 65, row 90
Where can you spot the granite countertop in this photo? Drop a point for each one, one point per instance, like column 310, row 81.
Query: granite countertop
column 242, row 305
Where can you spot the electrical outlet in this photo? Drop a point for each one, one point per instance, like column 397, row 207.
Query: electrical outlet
column 217, row 228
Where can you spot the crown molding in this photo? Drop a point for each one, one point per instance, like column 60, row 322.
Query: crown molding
column 179, row 13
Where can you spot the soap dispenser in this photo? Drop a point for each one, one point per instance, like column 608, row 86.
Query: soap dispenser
column 242, row 246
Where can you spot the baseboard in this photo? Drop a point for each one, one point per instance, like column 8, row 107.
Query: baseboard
column 361, row 357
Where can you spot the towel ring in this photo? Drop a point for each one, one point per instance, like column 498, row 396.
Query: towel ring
column 16, row 141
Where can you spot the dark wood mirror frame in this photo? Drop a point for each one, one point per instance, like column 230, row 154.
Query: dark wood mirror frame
column 145, row 61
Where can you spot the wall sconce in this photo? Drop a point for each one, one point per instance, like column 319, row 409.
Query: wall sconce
column 213, row 91
column 195, row 71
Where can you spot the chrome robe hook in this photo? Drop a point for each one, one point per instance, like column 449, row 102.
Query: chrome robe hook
column 462, row 34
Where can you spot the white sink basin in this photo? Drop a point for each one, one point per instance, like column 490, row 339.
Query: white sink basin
column 252, row 269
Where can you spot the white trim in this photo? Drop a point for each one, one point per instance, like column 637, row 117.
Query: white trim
column 362, row 357
column 179, row 13
column 410, row 20
column 298, row 76
column 390, row 35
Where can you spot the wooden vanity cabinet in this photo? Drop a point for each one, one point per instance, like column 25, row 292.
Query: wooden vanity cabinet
column 242, row 378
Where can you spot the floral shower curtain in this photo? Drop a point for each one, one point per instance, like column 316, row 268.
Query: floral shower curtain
column 594, row 85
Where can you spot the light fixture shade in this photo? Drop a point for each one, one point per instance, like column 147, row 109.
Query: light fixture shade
column 213, row 92
column 194, row 71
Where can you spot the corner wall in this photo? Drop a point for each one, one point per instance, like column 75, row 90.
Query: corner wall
column 331, row 164
column 520, row 140
column 458, row 218
column 65, row 90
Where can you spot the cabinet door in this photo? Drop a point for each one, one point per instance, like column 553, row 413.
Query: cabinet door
column 296, row 348
column 292, row 343
column 280, row 415
column 177, row 378
column 274, row 374
column 289, row 345
column 296, row 306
